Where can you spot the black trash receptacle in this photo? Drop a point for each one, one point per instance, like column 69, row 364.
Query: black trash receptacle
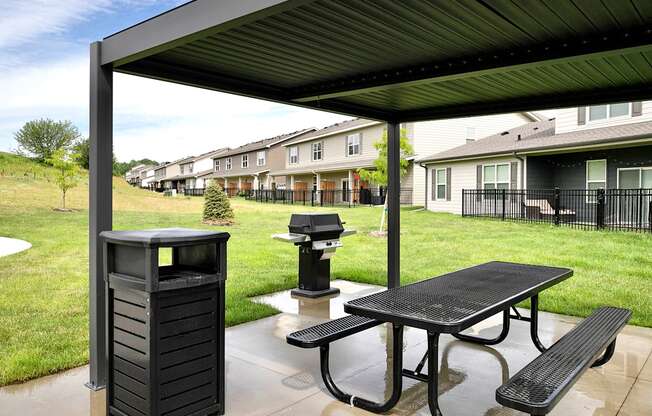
column 165, row 323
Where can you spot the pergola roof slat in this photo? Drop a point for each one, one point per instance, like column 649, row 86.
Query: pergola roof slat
column 393, row 59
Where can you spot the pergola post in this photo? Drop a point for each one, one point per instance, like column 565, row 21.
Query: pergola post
column 393, row 204
column 100, row 205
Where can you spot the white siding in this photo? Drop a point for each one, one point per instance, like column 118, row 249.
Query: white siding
column 463, row 176
column 203, row 164
column 566, row 119
column 430, row 137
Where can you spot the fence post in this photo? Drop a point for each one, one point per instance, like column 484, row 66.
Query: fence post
column 503, row 195
column 599, row 212
column 463, row 201
column 557, row 201
column 649, row 216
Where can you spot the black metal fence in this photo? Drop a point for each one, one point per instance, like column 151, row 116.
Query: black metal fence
column 613, row 209
column 334, row 197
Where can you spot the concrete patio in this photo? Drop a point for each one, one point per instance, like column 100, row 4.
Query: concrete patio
column 265, row 376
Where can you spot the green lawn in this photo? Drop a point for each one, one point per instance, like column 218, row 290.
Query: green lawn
column 43, row 291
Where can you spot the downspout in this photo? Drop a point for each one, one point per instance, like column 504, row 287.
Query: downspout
column 425, row 195
column 522, row 169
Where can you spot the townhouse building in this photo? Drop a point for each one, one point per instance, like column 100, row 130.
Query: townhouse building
column 248, row 167
column 607, row 146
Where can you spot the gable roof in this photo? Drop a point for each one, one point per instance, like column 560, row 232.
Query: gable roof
column 341, row 127
column 540, row 136
column 265, row 143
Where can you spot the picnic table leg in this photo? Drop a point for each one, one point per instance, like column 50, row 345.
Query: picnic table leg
column 485, row 341
column 433, row 373
column 397, row 378
column 534, row 323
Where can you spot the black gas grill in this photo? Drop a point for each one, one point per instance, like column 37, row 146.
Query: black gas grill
column 318, row 236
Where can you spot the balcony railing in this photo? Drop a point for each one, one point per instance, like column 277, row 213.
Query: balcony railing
column 613, row 209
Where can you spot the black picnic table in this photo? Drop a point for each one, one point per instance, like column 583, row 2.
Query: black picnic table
column 450, row 304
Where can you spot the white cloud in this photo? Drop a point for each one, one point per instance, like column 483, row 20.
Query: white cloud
column 152, row 119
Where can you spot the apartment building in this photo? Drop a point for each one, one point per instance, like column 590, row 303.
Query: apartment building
column 606, row 146
column 248, row 167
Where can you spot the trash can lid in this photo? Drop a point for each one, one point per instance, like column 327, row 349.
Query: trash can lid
column 163, row 236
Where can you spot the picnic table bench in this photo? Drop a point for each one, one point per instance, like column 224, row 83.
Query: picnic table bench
column 453, row 303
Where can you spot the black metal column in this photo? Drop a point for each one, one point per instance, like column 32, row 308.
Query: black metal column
column 393, row 204
column 100, row 206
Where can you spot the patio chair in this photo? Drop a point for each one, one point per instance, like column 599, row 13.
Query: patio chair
column 540, row 209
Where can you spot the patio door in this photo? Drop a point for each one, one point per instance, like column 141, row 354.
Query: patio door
column 635, row 194
column 345, row 190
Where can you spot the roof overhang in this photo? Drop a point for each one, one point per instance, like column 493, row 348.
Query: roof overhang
column 640, row 140
column 332, row 133
column 399, row 61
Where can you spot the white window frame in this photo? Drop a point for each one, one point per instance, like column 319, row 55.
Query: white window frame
column 290, row 162
column 313, row 151
column 217, row 166
column 640, row 175
column 260, row 161
column 587, row 181
column 351, row 145
column 496, row 182
column 609, row 117
column 437, row 184
column 229, row 163
column 244, row 161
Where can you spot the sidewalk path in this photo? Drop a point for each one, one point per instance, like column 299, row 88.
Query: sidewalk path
column 11, row 246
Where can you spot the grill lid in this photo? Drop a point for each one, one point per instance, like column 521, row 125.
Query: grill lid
column 324, row 225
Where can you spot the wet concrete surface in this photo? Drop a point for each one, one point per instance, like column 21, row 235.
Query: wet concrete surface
column 266, row 376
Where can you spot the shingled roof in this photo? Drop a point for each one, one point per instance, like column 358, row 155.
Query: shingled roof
column 538, row 136
column 261, row 144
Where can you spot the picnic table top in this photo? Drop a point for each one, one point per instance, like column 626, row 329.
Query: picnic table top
column 458, row 300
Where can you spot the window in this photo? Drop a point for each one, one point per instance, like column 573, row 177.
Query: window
column 495, row 176
column 596, row 177
column 260, row 158
column 182, row 168
column 244, row 164
column 606, row 111
column 440, row 184
column 228, row 163
column 217, row 165
column 293, row 154
column 353, row 144
column 317, row 152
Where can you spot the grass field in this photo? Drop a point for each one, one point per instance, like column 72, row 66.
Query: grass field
column 43, row 291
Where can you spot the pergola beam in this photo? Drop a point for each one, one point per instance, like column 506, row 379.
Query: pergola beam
column 164, row 71
column 184, row 24
column 100, row 206
column 572, row 50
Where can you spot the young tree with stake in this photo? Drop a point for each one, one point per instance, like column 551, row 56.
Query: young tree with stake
column 379, row 175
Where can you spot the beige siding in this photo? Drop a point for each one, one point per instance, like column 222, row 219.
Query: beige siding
column 430, row 137
column 566, row 119
column 334, row 149
column 463, row 176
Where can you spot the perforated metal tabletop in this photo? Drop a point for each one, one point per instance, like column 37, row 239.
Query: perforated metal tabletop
column 458, row 300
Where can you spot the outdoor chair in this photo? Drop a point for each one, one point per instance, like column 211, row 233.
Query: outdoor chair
column 540, row 209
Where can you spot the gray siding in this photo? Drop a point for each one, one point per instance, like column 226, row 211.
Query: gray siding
column 568, row 171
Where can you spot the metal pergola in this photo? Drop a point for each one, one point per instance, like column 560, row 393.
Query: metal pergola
column 382, row 59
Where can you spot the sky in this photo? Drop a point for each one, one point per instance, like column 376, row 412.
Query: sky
column 44, row 71
column 44, row 74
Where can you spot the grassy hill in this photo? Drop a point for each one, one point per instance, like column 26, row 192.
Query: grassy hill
column 44, row 290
